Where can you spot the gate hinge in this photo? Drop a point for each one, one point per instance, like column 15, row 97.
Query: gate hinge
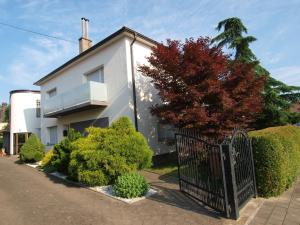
column 223, row 156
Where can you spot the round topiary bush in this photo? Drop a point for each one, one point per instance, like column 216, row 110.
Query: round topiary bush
column 130, row 185
column 32, row 150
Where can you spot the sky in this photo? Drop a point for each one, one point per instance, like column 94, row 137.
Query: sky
column 26, row 57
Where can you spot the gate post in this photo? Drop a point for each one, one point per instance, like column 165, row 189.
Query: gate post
column 230, row 181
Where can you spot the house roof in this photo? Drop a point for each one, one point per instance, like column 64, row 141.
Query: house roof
column 93, row 48
column 23, row 91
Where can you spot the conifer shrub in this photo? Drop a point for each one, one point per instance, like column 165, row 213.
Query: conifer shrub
column 47, row 162
column 32, row 150
column 92, row 178
column 61, row 152
column 115, row 150
column 131, row 185
column 276, row 152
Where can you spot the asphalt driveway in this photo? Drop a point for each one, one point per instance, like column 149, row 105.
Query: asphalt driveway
column 30, row 197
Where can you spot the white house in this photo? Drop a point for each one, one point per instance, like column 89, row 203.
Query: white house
column 98, row 86
column 25, row 117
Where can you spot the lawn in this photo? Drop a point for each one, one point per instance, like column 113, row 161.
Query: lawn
column 170, row 169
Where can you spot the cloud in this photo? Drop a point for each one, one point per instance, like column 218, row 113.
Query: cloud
column 288, row 74
column 36, row 59
column 271, row 57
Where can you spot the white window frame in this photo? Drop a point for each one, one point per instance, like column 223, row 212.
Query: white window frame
column 101, row 74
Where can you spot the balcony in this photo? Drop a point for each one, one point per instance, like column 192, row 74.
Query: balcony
column 90, row 95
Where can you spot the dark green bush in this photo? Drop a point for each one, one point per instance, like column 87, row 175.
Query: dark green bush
column 116, row 150
column 32, row 150
column 61, row 153
column 276, row 152
column 131, row 185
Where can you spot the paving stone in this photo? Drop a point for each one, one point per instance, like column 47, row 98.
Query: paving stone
column 259, row 220
column 282, row 210
column 290, row 222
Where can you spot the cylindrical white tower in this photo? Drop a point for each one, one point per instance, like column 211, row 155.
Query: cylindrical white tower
column 24, row 117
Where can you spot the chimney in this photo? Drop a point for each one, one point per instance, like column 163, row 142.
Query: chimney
column 84, row 42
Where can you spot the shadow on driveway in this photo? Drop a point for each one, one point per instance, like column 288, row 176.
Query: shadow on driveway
column 170, row 194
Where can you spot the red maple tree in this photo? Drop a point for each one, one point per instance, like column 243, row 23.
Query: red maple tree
column 201, row 88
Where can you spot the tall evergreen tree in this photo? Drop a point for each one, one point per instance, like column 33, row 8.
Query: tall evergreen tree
column 277, row 96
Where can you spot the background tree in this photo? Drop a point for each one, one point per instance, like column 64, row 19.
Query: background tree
column 6, row 114
column 232, row 36
column 200, row 88
column 277, row 96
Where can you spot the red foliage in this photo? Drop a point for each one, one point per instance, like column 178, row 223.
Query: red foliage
column 201, row 88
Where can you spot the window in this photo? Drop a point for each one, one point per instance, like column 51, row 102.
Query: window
column 51, row 93
column 165, row 133
column 52, row 135
column 38, row 132
column 38, row 108
column 96, row 75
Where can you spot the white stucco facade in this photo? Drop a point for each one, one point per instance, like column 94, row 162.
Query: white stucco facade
column 114, row 58
column 23, row 114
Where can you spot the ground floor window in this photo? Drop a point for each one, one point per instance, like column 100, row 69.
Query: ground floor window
column 82, row 125
column 166, row 133
column 52, row 135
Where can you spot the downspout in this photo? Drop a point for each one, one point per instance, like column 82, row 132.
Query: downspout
column 133, row 83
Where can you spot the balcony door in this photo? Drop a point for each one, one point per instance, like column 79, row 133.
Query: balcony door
column 95, row 75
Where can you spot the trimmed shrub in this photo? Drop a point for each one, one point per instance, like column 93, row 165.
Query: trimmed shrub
column 131, row 185
column 61, row 152
column 276, row 152
column 116, row 150
column 47, row 162
column 32, row 150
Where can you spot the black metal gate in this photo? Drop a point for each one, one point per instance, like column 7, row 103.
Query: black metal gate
column 220, row 176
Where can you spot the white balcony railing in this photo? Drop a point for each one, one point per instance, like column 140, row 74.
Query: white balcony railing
column 88, row 94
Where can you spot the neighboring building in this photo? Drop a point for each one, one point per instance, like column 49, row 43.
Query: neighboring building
column 24, row 119
column 98, row 86
column 2, row 112
column 295, row 107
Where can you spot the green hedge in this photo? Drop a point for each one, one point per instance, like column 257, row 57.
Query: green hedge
column 32, row 150
column 106, row 153
column 276, row 152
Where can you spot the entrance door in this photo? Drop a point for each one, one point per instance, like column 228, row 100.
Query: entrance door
column 19, row 140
